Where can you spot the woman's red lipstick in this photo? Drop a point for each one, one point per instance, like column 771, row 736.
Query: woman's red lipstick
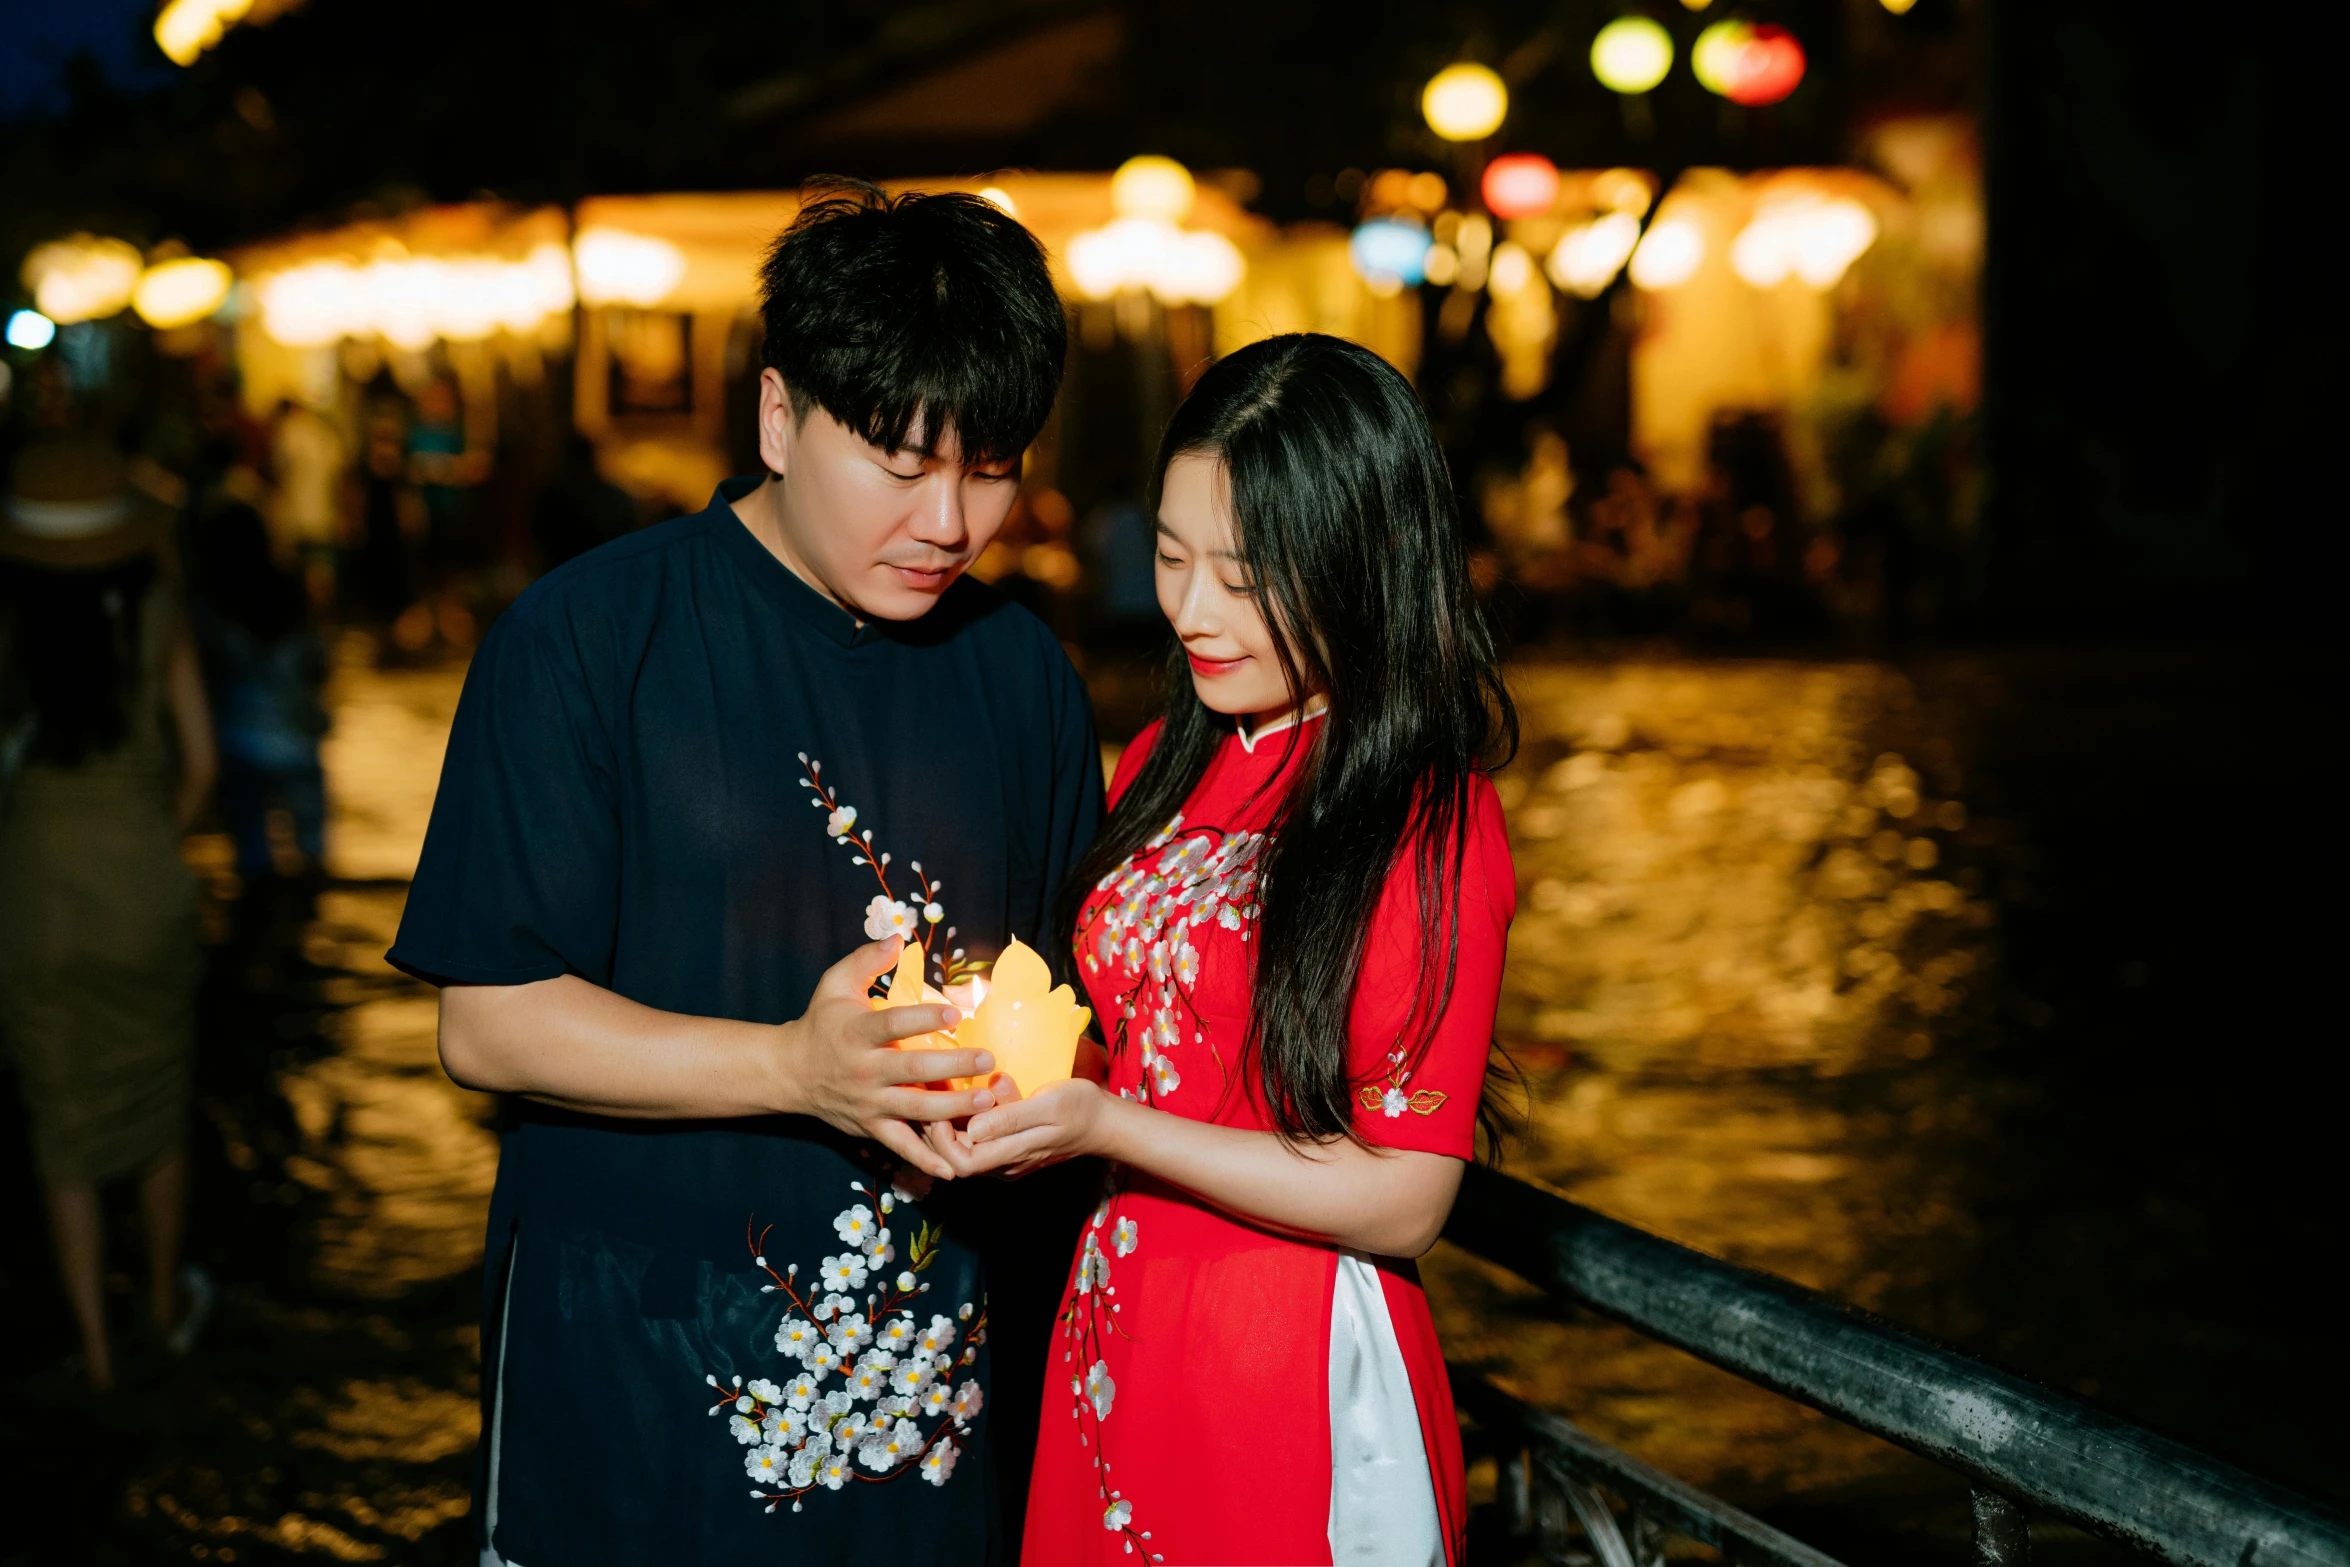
column 1212, row 667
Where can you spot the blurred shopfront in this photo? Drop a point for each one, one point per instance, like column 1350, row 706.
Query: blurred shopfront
column 1735, row 402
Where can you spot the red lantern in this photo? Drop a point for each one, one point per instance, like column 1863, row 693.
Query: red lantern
column 1766, row 68
column 1520, row 185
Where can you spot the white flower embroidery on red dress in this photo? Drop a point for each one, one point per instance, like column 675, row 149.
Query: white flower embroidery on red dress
column 1085, row 1326
column 1139, row 941
column 1142, row 934
column 863, row 1376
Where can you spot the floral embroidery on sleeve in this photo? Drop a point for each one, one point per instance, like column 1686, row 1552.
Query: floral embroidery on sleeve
column 865, row 1376
column 1389, row 1097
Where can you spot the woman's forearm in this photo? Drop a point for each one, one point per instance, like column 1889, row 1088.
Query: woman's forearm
column 1389, row 1202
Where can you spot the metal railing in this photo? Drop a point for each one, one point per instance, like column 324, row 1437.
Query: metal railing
column 2018, row 1444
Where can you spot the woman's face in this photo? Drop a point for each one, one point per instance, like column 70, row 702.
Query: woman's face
column 1207, row 596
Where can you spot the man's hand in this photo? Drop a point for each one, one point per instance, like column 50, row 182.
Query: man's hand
column 837, row 1064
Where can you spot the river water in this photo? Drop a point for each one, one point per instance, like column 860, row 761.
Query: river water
column 1975, row 992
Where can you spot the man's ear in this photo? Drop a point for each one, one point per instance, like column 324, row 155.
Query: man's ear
column 779, row 425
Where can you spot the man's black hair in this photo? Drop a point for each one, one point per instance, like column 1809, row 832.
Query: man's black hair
column 912, row 314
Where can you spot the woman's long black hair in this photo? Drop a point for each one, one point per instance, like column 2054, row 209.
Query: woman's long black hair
column 1347, row 527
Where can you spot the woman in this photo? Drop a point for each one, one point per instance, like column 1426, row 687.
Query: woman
column 1292, row 928
column 98, row 955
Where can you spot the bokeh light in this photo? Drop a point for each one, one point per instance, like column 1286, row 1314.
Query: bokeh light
column 1767, row 67
column 1177, row 266
column 1713, row 59
column 1631, row 54
column 1588, row 257
column 1623, row 190
column 1804, row 236
column 1152, row 187
column 181, row 291
column 30, row 330
column 617, row 267
column 1520, row 185
column 1144, row 249
column 1472, row 240
column 83, row 278
column 184, row 29
column 1403, row 190
column 1389, row 250
column 1000, row 199
column 1465, row 103
column 1512, row 271
column 1669, row 255
column 1747, row 64
column 411, row 303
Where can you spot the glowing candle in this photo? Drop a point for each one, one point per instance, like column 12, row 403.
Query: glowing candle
column 1030, row 1025
column 907, row 989
column 965, row 997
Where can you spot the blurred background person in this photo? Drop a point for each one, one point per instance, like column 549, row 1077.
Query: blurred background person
column 381, row 573
column 306, row 451
column 266, row 668
column 444, row 475
column 1750, row 547
column 1631, row 564
column 109, row 760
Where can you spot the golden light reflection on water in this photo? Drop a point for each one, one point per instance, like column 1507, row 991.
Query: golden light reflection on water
column 405, row 1157
column 388, row 1171
column 1737, row 951
column 383, row 762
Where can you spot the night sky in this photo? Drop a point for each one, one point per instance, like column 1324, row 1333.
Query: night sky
column 43, row 34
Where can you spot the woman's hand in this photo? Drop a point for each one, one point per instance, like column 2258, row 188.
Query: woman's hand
column 1063, row 1121
column 1391, row 1202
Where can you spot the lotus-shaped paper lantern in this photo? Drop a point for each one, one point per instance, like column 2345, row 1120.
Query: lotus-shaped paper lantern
column 1031, row 1025
column 906, row 989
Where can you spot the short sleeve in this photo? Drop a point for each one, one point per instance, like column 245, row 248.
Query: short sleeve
column 519, row 878
column 1423, row 1096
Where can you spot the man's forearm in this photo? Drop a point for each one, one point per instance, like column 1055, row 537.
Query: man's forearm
column 574, row 1044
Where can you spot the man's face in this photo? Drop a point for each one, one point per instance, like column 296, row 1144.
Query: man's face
column 881, row 533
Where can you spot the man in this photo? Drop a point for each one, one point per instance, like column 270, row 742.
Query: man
column 690, row 770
